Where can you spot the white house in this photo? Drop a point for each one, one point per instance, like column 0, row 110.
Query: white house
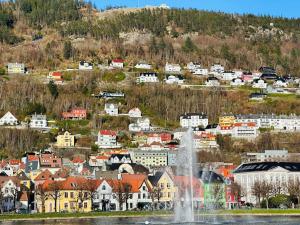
column 278, row 174
column 237, row 82
column 133, row 127
column 193, row 120
column 15, row 68
column 268, row 156
column 103, row 196
column 9, row 188
column 201, row 71
column 83, row 65
column 135, row 113
column 174, row 79
column 259, row 83
column 147, row 78
column 280, row 83
column 107, row 139
column 144, row 66
column 245, row 130
column 172, row 68
column 192, row 67
column 38, row 121
column 228, row 75
column 111, row 109
column 8, row 119
column 117, row 63
column 119, row 158
column 143, row 123
column 212, row 82
column 217, row 69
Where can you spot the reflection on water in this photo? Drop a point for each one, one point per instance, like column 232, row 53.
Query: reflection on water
column 209, row 220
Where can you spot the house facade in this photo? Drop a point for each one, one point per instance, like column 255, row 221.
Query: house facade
column 65, row 140
column 83, row 65
column 75, row 114
column 193, row 120
column 172, row 68
column 8, row 119
column 107, row 139
column 117, row 63
column 147, row 78
column 111, row 109
column 276, row 173
column 38, row 121
column 15, row 68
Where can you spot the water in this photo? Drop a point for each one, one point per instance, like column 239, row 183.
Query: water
column 184, row 201
column 235, row 220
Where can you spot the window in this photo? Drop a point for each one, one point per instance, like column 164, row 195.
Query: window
column 72, row 194
column 139, row 196
column 85, row 194
column 66, row 194
column 131, row 205
column 144, row 188
column 66, row 205
column 85, row 205
column 103, row 188
column 144, row 195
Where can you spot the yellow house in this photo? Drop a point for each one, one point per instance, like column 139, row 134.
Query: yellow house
column 24, row 180
column 165, row 187
column 226, row 120
column 70, row 195
column 65, row 140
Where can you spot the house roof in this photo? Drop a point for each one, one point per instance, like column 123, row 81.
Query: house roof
column 135, row 180
column 71, row 183
column 210, row 177
column 78, row 160
column 108, row 132
column 44, row 175
column 154, row 179
column 249, row 124
column 265, row 166
column 118, row 60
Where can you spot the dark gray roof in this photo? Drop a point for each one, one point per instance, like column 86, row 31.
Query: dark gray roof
column 210, row 177
column 31, row 166
column 188, row 115
column 265, row 166
column 154, row 179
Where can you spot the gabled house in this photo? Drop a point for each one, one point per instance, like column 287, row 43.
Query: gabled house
column 193, row 66
column 38, row 121
column 135, row 113
column 172, row 79
column 107, row 139
column 201, row 71
column 212, row 82
column 164, row 190
column 76, row 114
column 193, row 120
column 16, row 68
column 259, row 83
column 245, row 130
column 103, row 195
column 237, row 82
column 8, row 119
column 228, row 75
column 280, row 82
column 136, row 189
column 172, row 68
column 56, row 77
column 65, row 140
column 257, row 96
column 111, row 109
column 143, row 123
column 119, row 158
column 9, row 187
column 149, row 77
column 143, row 65
column 117, row 63
column 83, row 65
column 217, row 69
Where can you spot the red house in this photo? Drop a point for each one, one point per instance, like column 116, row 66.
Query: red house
column 77, row 113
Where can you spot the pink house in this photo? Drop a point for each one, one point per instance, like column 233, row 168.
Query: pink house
column 77, row 113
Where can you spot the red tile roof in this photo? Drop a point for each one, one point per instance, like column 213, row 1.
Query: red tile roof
column 108, row 132
column 118, row 60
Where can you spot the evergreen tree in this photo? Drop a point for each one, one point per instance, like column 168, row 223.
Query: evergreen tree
column 189, row 46
column 53, row 89
column 68, row 50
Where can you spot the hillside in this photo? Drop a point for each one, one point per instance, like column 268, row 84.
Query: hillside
column 50, row 35
column 156, row 35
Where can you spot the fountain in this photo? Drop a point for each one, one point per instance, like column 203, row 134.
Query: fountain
column 184, row 203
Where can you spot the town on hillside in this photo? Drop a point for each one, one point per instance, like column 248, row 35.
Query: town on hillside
column 96, row 113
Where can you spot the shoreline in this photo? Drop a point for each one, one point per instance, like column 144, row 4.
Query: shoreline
column 72, row 216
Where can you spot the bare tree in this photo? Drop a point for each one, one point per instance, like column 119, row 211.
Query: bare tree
column 156, row 194
column 293, row 188
column 257, row 191
column 54, row 192
column 91, row 190
column 218, row 194
column 41, row 193
column 127, row 193
column 123, row 193
column 266, row 191
column 236, row 191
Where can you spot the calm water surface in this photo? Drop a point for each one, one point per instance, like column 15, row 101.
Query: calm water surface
column 228, row 220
